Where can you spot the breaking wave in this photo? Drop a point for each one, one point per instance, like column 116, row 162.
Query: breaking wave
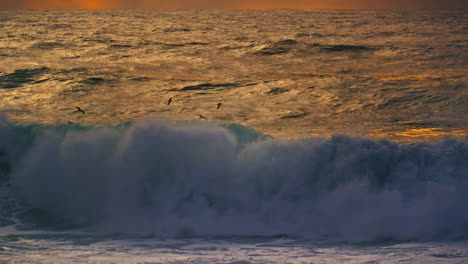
column 195, row 178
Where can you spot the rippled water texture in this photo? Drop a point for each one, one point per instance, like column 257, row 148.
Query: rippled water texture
column 394, row 74
column 80, row 248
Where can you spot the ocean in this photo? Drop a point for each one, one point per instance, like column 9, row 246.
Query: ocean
column 233, row 136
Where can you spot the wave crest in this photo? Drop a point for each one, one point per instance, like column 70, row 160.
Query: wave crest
column 204, row 179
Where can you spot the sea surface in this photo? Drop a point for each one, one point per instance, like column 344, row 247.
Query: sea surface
column 234, row 136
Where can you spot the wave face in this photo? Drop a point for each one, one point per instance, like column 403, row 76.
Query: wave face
column 171, row 179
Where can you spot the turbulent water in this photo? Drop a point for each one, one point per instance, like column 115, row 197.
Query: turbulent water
column 263, row 177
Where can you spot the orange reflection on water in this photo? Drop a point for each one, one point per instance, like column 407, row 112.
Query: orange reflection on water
column 420, row 78
column 287, row 4
column 403, row 135
column 420, row 134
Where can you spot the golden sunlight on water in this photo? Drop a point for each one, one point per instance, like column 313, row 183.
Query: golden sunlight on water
column 403, row 134
column 288, row 73
column 420, row 134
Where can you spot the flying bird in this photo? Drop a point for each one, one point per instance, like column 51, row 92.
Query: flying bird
column 219, row 106
column 78, row 109
column 201, row 116
column 169, row 101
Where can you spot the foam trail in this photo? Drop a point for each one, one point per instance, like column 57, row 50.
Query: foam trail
column 169, row 179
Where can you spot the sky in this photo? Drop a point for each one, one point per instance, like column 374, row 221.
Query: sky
column 234, row 4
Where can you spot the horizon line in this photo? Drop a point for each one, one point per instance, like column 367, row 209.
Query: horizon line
column 204, row 8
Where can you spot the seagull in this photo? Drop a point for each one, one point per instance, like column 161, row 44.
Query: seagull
column 201, row 116
column 219, row 106
column 78, row 109
column 169, row 101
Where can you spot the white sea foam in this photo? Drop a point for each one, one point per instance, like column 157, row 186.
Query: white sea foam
column 170, row 179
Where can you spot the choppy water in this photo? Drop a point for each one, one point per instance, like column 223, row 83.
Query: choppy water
column 81, row 248
column 399, row 74
column 116, row 184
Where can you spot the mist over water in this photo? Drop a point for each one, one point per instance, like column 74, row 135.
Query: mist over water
column 172, row 179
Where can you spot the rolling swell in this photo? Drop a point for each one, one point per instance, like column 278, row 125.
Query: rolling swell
column 173, row 179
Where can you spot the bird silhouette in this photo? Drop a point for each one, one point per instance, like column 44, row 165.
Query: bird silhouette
column 169, row 101
column 78, row 109
column 201, row 116
column 219, row 106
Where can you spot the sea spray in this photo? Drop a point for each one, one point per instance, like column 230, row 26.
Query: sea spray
column 197, row 178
